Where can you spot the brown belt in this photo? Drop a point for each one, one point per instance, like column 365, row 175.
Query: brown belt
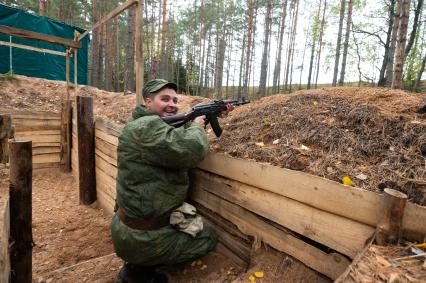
column 153, row 223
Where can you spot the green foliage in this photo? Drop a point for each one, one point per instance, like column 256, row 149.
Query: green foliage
column 8, row 77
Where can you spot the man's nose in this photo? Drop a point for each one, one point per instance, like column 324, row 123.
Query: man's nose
column 172, row 103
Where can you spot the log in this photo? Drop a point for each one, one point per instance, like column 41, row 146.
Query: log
column 313, row 223
column 109, row 127
column 22, row 125
column 330, row 264
column 389, row 227
column 4, row 239
column 86, row 145
column 29, row 115
column 21, row 210
column 107, row 149
column 5, row 133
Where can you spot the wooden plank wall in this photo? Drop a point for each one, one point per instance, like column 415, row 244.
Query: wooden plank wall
column 4, row 239
column 280, row 207
column 44, row 130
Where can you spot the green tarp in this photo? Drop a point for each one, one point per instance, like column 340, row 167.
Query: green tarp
column 33, row 63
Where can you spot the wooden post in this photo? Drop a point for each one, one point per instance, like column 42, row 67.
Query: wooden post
column 5, row 133
column 20, row 191
column 138, row 53
column 75, row 73
column 86, row 149
column 389, row 227
column 66, row 123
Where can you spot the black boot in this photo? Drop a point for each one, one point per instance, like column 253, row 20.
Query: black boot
column 131, row 273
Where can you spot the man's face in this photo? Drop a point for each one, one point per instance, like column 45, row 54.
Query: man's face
column 163, row 103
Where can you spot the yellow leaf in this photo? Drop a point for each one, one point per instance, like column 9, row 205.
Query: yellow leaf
column 258, row 274
column 347, row 181
column 423, row 245
column 276, row 141
column 251, row 278
column 261, row 144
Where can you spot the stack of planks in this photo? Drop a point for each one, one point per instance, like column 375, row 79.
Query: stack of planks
column 317, row 221
column 44, row 130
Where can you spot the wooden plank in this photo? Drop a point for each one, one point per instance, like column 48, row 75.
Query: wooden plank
column 108, row 183
column 47, row 158
column 329, row 264
column 105, row 203
column 46, row 144
column 26, row 34
column 22, row 125
column 313, row 223
column 106, row 137
column 414, row 222
column 39, row 138
column 106, row 167
column 354, row 203
column 27, row 47
column 39, row 115
column 4, row 239
column 107, row 149
column 46, row 150
column 111, row 15
column 107, row 158
column 108, row 127
column 37, row 133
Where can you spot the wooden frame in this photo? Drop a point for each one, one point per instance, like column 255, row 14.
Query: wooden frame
column 27, row 47
column 25, row 34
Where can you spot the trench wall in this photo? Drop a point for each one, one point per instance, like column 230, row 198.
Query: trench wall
column 322, row 223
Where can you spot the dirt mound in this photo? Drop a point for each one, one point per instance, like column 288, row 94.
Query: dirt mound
column 375, row 136
column 34, row 94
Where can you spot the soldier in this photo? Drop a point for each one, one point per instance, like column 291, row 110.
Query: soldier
column 152, row 181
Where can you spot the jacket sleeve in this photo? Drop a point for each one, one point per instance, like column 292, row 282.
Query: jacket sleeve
column 166, row 146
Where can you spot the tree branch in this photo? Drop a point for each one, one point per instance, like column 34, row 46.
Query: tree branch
column 374, row 34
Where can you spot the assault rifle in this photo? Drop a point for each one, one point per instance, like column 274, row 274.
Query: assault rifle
column 210, row 110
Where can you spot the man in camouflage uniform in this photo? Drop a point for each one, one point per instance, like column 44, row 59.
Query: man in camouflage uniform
column 152, row 181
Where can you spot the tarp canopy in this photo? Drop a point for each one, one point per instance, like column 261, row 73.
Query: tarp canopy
column 33, row 63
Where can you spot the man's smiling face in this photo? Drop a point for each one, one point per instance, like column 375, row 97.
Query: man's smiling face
column 163, row 102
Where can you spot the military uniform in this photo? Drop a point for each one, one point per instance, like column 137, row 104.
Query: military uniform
column 152, row 180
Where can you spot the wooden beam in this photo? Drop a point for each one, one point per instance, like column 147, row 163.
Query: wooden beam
column 6, row 129
column 330, row 264
column 86, row 145
column 27, row 47
column 318, row 225
column 25, row 34
column 111, row 15
column 389, row 227
column 20, row 191
column 139, row 63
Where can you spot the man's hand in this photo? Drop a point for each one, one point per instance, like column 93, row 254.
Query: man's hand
column 201, row 120
column 229, row 108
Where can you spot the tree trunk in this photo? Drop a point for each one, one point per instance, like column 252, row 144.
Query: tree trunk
column 417, row 13
column 293, row 42
column 220, row 55
column 109, row 56
column 320, row 42
column 264, row 64
column 339, row 42
column 391, row 56
column 314, row 42
column 382, row 78
column 346, row 44
column 419, row 74
column 277, row 68
column 206, row 71
column 202, row 45
column 242, row 67
column 129, row 77
column 303, row 56
column 400, row 47
column 95, row 47
column 249, row 46
column 163, row 62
